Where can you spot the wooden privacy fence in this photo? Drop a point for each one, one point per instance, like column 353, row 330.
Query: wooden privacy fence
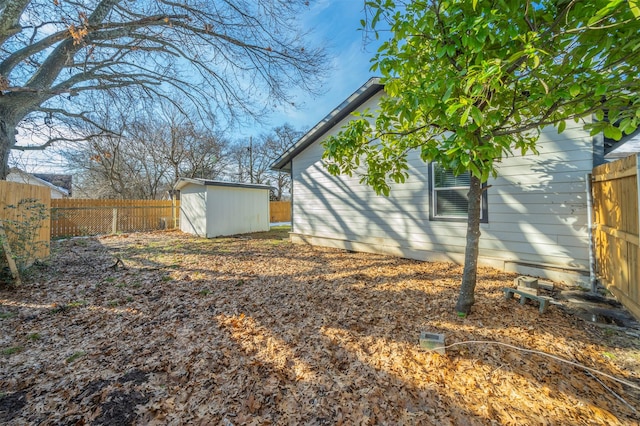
column 20, row 202
column 74, row 217
column 616, row 229
column 280, row 211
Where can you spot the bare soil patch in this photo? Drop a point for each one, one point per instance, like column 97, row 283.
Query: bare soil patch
column 254, row 330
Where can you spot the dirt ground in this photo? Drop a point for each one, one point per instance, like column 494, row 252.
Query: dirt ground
column 254, row 330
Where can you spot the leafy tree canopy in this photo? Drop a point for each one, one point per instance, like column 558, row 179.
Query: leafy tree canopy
column 470, row 82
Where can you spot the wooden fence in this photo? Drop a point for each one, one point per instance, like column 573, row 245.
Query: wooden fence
column 280, row 211
column 74, row 217
column 15, row 207
column 616, row 229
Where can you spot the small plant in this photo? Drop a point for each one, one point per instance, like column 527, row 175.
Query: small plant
column 34, row 337
column 121, row 285
column 7, row 315
column 65, row 307
column 113, row 303
column 22, row 231
column 74, row 357
column 166, row 278
column 109, row 279
column 11, row 351
column 129, row 299
column 205, row 292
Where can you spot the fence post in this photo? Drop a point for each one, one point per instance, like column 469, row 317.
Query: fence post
column 114, row 221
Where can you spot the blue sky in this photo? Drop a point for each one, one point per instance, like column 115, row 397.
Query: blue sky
column 335, row 25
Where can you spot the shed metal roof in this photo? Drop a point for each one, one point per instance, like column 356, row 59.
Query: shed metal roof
column 182, row 182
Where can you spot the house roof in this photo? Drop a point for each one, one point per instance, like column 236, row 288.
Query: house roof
column 360, row 96
column 61, row 181
column 41, row 181
column 182, row 182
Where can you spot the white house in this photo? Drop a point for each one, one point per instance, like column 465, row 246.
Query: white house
column 534, row 213
column 17, row 175
column 213, row 208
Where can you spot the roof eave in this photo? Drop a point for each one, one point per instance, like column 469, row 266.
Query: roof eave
column 360, row 96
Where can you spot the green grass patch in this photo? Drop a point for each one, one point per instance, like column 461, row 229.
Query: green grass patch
column 74, row 357
column 34, row 337
column 7, row 315
column 10, row 351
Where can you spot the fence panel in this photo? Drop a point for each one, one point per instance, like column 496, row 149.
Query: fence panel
column 11, row 193
column 280, row 211
column 76, row 217
column 616, row 230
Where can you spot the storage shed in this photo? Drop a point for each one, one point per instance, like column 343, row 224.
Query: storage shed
column 210, row 208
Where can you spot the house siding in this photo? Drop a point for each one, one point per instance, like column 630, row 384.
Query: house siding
column 536, row 209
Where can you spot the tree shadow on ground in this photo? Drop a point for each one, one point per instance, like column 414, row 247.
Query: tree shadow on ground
column 249, row 329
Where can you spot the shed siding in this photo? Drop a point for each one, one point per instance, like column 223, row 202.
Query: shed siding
column 537, row 208
column 193, row 219
column 236, row 210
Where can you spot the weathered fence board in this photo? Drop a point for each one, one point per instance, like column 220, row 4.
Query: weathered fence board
column 11, row 194
column 616, row 234
column 75, row 217
column 280, row 211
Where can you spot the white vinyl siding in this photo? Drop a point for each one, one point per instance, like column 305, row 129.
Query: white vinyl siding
column 537, row 206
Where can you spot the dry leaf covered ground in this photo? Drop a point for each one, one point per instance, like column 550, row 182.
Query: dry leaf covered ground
column 254, row 330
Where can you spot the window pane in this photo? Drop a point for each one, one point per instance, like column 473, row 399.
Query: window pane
column 445, row 178
column 452, row 202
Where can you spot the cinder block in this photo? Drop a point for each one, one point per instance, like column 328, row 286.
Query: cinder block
column 433, row 342
column 529, row 290
column 528, row 282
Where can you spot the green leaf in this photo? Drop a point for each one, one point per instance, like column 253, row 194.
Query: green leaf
column 465, row 115
column 613, row 132
column 634, row 5
column 477, row 115
column 561, row 126
column 574, row 90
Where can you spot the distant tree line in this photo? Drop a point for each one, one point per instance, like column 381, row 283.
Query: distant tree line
column 144, row 158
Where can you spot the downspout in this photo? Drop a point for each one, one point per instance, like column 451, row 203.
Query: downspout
column 592, row 256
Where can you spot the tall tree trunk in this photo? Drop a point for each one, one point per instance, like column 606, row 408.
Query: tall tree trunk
column 466, row 297
column 7, row 142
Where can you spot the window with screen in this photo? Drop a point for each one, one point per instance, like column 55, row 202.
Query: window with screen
column 449, row 195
